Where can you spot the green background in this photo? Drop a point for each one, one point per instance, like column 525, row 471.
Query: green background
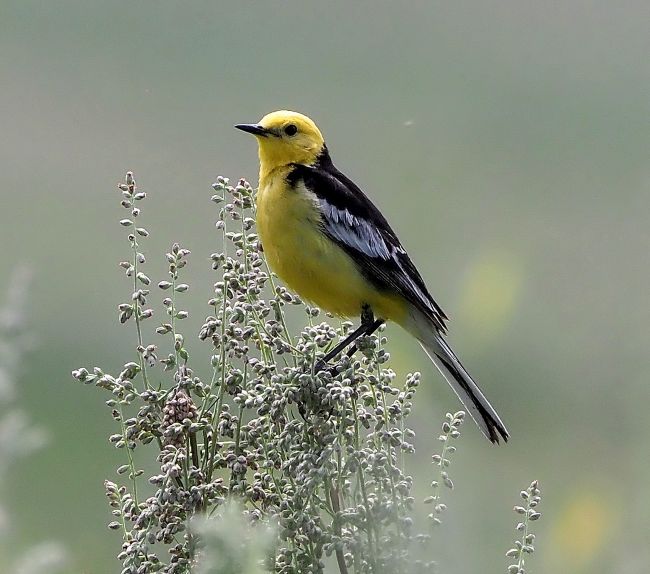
column 507, row 142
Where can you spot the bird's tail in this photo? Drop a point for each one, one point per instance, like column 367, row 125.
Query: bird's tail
column 460, row 381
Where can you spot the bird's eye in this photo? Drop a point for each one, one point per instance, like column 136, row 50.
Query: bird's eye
column 291, row 130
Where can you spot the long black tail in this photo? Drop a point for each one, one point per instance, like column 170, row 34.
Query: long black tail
column 464, row 386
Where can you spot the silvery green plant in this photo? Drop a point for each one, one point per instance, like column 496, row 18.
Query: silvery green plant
column 318, row 457
column 19, row 437
column 230, row 543
column 528, row 512
column 450, row 432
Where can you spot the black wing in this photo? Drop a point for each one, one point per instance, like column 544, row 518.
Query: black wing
column 351, row 220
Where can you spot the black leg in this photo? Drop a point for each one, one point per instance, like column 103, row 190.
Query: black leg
column 358, row 332
column 368, row 326
column 378, row 323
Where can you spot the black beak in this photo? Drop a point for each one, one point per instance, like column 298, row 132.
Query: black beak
column 255, row 129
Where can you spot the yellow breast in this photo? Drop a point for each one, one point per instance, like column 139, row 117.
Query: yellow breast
column 306, row 260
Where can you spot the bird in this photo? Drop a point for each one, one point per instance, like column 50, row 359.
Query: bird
column 324, row 238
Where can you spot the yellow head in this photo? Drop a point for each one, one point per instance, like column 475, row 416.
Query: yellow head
column 285, row 137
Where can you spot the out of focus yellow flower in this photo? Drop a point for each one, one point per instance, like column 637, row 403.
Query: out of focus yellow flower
column 580, row 531
column 490, row 294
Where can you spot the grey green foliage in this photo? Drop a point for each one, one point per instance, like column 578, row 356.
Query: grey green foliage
column 527, row 513
column 450, row 432
column 231, row 544
column 307, row 469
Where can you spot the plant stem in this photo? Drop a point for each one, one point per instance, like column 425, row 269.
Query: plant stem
column 336, row 507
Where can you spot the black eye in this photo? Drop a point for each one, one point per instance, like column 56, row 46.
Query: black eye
column 291, row 130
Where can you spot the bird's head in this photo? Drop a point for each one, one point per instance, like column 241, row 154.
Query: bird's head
column 285, row 137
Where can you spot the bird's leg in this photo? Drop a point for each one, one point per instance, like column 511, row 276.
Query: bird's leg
column 368, row 325
column 358, row 332
column 375, row 325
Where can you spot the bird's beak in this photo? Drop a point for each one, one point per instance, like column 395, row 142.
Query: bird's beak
column 255, row 129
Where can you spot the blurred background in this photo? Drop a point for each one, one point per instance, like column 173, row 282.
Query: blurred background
column 508, row 142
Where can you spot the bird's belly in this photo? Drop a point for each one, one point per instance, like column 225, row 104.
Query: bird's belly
column 311, row 264
column 315, row 268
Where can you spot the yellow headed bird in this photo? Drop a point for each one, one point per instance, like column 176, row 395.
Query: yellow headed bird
column 327, row 241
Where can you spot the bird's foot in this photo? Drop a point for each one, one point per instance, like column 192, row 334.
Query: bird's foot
column 320, row 365
column 302, row 409
column 323, row 365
